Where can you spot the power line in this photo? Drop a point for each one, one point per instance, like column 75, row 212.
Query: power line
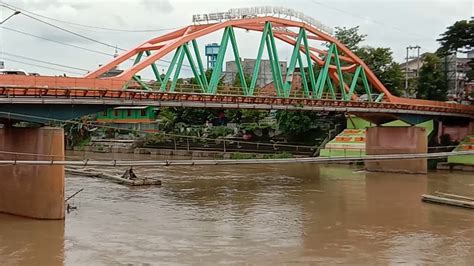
column 373, row 20
column 58, row 42
column 89, row 26
column 72, row 45
column 46, row 62
column 74, row 33
column 81, row 35
column 45, row 67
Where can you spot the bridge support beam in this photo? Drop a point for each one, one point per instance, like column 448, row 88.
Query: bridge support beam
column 32, row 191
column 397, row 140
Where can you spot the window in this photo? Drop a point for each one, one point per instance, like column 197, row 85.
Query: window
column 143, row 112
column 129, row 113
column 116, row 113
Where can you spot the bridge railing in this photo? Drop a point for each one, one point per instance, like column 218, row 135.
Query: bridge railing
column 83, row 87
column 234, row 90
column 60, row 82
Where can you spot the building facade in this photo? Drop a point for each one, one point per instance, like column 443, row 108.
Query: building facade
column 140, row 118
column 248, row 66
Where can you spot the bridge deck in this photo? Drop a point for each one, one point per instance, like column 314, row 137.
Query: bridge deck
column 114, row 97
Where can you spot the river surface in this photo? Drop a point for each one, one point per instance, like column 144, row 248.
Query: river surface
column 303, row 214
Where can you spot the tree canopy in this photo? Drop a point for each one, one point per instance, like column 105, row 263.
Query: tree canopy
column 379, row 60
column 431, row 83
column 350, row 37
column 460, row 35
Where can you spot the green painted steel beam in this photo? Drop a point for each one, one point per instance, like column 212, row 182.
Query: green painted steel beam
column 303, row 76
column 339, row 73
column 272, row 67
column 196, row 73
column 216, row 73
column 309, row 61
column 154, row 68
column 179, row 65
column 354, row 82
column 259, row 59
column 170, row 69
column 276, row 60
column 139, row 81
column 201, row 67
column 240, row 69
column 291, row 68
column 136, row 61
column 324, row 72
column 331, row 88
column 366, row 86
column 380, row 97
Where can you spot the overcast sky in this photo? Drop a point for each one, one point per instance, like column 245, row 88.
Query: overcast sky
column 388, row 23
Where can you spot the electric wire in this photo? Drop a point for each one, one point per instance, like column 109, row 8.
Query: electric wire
column 74, row 46
column 45, row 62
column 45, row 67
column 83, row 36
column 58, row 42
column 89, row 26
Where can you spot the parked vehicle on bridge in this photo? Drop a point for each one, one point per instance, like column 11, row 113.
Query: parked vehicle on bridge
column 365, row 97
column 13, row 72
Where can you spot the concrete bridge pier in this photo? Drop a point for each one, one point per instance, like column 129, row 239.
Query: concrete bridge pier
column 35, row 191
column 397, row 140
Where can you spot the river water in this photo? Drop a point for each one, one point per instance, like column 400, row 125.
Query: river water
column 293, row 214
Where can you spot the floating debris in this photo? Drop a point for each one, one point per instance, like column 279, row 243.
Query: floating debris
column 128, row 178
column 449, row 199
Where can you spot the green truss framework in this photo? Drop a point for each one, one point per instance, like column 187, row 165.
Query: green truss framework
column 316, row 81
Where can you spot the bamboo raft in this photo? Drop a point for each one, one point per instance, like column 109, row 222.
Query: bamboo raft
column 449, row 199
column 117, row 178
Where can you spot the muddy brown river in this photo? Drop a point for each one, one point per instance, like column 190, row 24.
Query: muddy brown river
column 283, row 214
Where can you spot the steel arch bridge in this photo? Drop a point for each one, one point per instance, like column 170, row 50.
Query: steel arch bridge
column 339, row 73
column 334, row 64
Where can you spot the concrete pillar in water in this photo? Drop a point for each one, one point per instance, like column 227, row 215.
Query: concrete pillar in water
column 397, row 140
column 35, row 191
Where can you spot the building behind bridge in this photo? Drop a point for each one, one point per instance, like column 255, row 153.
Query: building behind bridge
column 454, row 68
column 248, row 65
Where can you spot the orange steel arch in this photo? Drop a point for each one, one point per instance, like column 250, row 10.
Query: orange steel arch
column 167, row 43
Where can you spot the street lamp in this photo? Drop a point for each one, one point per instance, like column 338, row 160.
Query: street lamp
column 14, row 14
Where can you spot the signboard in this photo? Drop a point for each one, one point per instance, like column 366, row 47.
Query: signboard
column 251, row 12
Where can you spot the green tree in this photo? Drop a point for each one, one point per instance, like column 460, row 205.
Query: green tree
column 379, row 60
column 457, row 36
column 195, row 116
column 296, row 124
column 431, row 85
column 167, row 119
column 460, row 35
column 350, row 37
column 238, row 82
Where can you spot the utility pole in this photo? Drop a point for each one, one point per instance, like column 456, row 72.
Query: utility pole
column 456, row 93
column 417, row 60
column 416, row 47
column 406, row 72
